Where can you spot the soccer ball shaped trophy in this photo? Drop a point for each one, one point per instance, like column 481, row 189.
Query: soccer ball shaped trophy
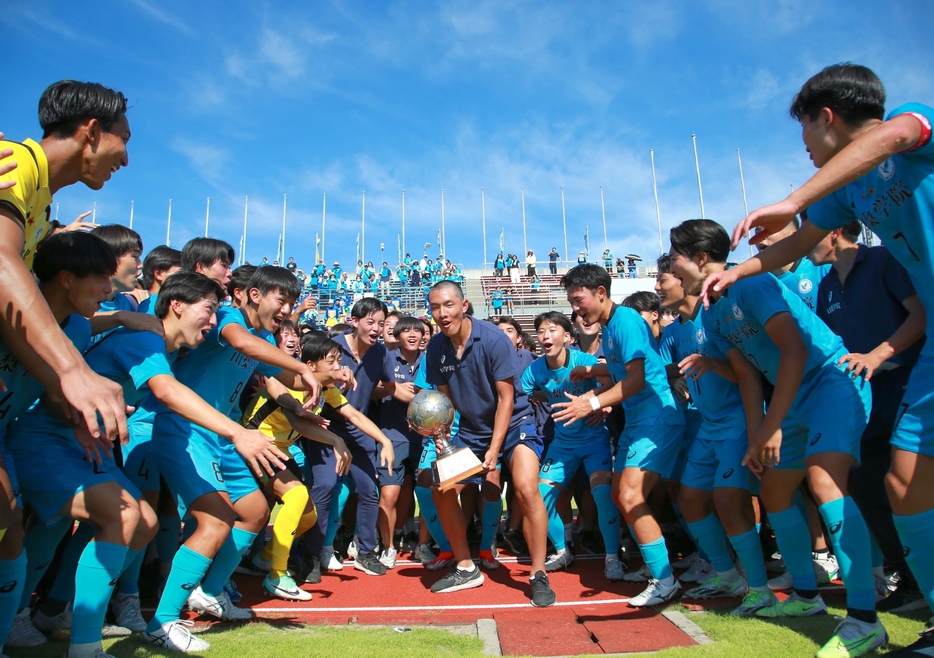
column 431, row 413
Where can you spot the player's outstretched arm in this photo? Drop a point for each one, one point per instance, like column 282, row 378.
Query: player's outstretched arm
column 108, row 320
column 261, row 350
column 368, row 427
column 254, row 446
column 315, row 432
column 29, row 329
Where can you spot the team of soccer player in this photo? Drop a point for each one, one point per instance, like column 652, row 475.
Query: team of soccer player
column 127, row 417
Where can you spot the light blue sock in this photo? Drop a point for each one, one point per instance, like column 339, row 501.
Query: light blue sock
column 794, row 541
column 749, row 552
column 12, row 581
column 655, row 555
column 758, row 528
column 63, row 589
column 492, row 513
column 188, row 568
column 98, row 568
column 711, row 537
column 170, row 527
column 128, row 583
column 40, row 543
column 338, row 502
column 429, row 512
column 850, row 538
column 226, row 560
column 687, row 530
column 917, row 534
column 550, row 495
column 608, row 517
column 878, row 560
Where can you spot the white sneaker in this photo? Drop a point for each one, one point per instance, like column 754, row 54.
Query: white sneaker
column 352, row 548
column 285, row 588
column 613, row 569
column 125, row 608
column 24, row 633
column 175, row 635
column 219, row 606
column 655, row 594
column 55, row 624
column 716, row 588
column 781, row 583
column 90, row 650
column 560, row 560
column 329, row 560
column 388, row 557
column 825, row 567
column 642, row 575
column 699, row 572
column 110, row 630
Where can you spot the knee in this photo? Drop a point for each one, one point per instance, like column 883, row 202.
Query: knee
column 629, row 499
column 527, row 492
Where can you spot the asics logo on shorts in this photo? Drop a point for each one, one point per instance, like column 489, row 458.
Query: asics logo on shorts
column 613, row 520
column 816, row 438
column 905, row 551
column 632, row 453
column 728, row 473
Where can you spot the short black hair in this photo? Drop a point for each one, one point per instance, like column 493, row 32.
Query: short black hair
column 206, row 251
column 450, row 285
column 644, row 301
column 240, row 278
column 366, row 306
column 587, row 275
column 511, row 321
column 119, row 238
column 852, row 230
column 696, row 236
column 338, row 329
column 318, row 348
column 187, row 287
column 554, row 317
column 408, row 323
column 82, row 254
column 664, row 264
column 275, row 279
column 851, row 91
column 161, row 258
column 287, row 325
column 67, row 104
column 398, row 315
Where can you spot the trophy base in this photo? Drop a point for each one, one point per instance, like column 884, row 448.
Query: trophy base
column 459, row 464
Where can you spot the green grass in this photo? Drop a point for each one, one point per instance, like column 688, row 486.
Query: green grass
column 791, row 638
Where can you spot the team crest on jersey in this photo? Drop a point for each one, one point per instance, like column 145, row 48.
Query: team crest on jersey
column 804, row 286
column 609, row 341
column 886, row 169
column 738, row 312
column 700, row 337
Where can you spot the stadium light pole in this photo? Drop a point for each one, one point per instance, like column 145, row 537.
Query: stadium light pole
column 168, row 227
column 246, row 210
column 207, row 217
column 742, row 182
column 363, row 229
column 700, row 189
column 57, row 206
column 564, row 224
column 658, row 212
column 603, row 214
column 94, row 213
column 324, row 214
column 525, row 246
column 132, row 203
column 402, row 248
column 282, row 261
column 444, row 241
column 483, row 222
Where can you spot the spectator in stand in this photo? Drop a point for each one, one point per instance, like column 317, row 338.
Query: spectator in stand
column 415, row 281
column 499, row 265
column 620, row 268
column 407, row 261
column 510, row 308
column 512, row 265
column 275, row 263
column 496, row 300
column 291, row 266
column 608, row 261
column 423, row 263
column 581, row 258
column 385, row 276
column 265, row 262
column 631, row 261
column 337, row 269
column 530, row 263
column 403, row 273
column 553, row 258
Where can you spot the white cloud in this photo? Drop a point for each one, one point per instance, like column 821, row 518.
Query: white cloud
column 162, row 16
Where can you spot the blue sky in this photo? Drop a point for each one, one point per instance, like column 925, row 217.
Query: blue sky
column 263, row 99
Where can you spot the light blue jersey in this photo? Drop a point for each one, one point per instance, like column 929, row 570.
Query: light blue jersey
column 555, row 383
column 717, row 399
column 803, row 281
column 737, row 321
column 148, row 305
column 131, row 358
column 626, row 338
column 896, row 201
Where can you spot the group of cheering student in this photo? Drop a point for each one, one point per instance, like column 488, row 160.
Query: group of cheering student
column 761, row 399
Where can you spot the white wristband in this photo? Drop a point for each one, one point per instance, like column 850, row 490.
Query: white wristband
column 595, row 403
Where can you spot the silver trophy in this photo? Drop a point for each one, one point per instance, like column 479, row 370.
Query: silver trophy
column 431, row 413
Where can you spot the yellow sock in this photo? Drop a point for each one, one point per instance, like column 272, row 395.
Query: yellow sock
column 285, row 528
column 308, row 521
column 3, row 530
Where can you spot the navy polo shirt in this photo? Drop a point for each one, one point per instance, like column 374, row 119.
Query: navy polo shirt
column 392, row 412
column 867, row 309
column 489, row 356
column 368, row 373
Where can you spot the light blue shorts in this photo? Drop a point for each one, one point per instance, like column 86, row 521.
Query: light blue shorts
column 914, row 431
column 717, row 464
column 563, row 460
column 53, row 470
column 195, row 462
column 138, row 464
column 829, row 414
column 652, row 445
column 429, row 453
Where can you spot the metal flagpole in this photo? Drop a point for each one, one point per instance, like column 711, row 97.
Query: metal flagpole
column 700, row 190
column 207, row 217
column 444, row 242
column 94, row 214
column 57, row 206
column 564, row 224
column 483, row 221
column 403, row 223
column 132, row 203
column 603, row 212
column 246, row 210
column 525, row 246
column 742, row 182
column 658, row 213
column 282, row 262
column 363, row 230
column 324, row 214
column 168, row 227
